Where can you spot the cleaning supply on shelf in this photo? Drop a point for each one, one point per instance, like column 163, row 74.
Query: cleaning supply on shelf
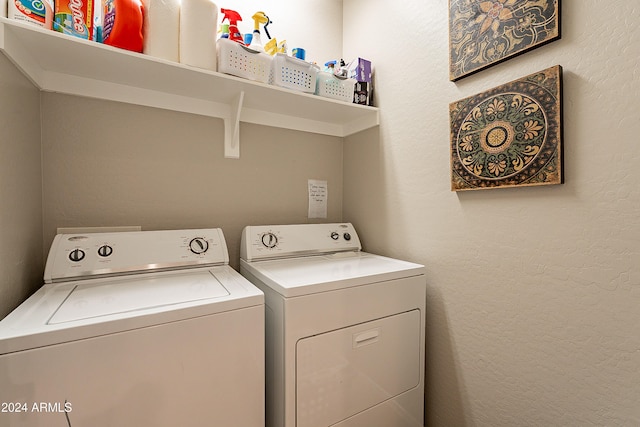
column 161, row 29
column 74, row 17
column 223, row 30
column 256, row 39
column 37, row 12
column 282, row 47
column 298, row 52
column 270, row 47
column 233, row 17
column 361, row 70
column 198, row 21
column 340, row 69
column 330, row 66
column 98, row 21
column 122, row 24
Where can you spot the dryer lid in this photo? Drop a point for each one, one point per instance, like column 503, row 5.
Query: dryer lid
column 308, row 275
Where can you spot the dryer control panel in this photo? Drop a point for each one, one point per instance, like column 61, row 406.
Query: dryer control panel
column 285, row 241
column 96, row 254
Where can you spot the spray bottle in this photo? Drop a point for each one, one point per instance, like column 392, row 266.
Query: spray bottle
column 233, row 17
column 270, row 47
column 256, row 41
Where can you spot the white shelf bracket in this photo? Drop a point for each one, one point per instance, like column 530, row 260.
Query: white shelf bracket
column 232, row 129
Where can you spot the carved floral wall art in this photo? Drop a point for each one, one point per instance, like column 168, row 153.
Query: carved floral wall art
column 484, row 33
column 510, row 135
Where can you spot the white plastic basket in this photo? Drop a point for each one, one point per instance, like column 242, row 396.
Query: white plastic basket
column 294, row 73
column 237, row 60
column 330, row 86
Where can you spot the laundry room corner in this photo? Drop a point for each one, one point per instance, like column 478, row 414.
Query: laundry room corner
column 530, row 312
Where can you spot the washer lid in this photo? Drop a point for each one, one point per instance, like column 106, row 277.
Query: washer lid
column 63, row 312
column 87, row 301
column 292, row 277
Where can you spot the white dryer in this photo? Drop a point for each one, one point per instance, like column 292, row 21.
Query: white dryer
column 345, row 337
column 149, row 328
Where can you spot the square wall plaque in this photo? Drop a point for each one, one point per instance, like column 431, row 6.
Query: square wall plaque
column 509, row 136
column 484, row 33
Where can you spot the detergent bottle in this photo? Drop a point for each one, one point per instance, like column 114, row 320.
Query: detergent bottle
column 233, row 17
column 35, row 12
column 73, row 17
column 256, row 41
column 123, row 21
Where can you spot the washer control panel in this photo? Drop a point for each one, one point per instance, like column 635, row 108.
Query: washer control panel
column 92, row 254
column 278, row 241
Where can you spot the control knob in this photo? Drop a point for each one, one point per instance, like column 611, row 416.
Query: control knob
column 105, row 250
column 198, row 245
column 269, row 240
column 76, row 255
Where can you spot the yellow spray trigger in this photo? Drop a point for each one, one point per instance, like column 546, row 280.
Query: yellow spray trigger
column 271, row 47
column 259, row 18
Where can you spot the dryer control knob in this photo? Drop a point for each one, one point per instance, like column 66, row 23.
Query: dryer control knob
column 105, row 251
column 335, row 236
column 269, row 240
column 76, row 255
column 198, row 245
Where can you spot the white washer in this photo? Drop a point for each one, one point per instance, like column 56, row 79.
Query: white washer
column 345, row 338
column 149, row 328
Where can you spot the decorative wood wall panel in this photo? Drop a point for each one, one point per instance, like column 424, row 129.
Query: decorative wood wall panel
column 483, row 33
column 510, row 135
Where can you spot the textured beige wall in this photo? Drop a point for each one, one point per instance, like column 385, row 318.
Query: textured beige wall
column 20, row 188
column 533, row 293
column 108, row 164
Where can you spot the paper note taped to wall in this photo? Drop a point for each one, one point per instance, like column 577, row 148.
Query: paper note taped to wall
column 318, row 194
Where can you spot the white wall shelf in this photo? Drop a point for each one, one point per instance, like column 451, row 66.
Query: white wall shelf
column 55, row 62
